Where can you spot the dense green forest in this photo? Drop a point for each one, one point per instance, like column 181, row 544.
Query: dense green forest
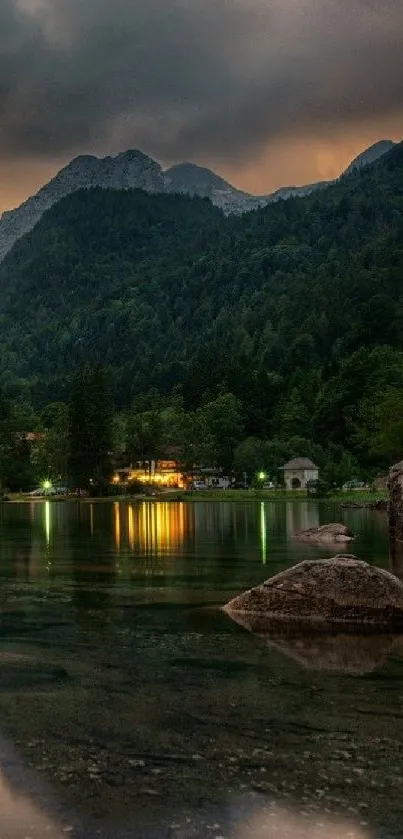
column 292, row 313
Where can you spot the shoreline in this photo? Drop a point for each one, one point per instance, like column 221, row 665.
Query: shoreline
column 360, row 497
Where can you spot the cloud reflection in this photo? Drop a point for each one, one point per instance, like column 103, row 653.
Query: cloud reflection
column 276, row 822
column 21, row 816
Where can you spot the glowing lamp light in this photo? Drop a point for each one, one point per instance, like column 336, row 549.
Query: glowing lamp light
column 47, row 485
column 261, row 476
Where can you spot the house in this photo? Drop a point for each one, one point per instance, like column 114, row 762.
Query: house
column 298, row 472
column 164, row 473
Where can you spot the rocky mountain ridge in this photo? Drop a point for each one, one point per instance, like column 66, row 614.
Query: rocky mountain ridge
column 134, row 169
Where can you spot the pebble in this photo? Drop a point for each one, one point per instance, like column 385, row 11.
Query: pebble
column 149, row 791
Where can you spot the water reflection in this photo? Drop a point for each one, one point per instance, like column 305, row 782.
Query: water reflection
column 301, row 516
column 338, row 652
column 263, row 527
column 138, row 700
column 161, row 527
column 116, row 510
column 149, row 528
column 41, row 533
column 47, row 520
column 130, row 526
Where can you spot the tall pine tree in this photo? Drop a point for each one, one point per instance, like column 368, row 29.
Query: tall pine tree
column 90, row 428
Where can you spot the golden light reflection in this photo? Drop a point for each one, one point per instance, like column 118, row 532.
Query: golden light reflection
column 92, row 519
column 149, row 528
column 116, row 508
column 162, row 526
column 130, row 526
column 263, row 534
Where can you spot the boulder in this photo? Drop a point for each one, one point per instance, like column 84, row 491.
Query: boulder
column 326, row 533
column 325, row 593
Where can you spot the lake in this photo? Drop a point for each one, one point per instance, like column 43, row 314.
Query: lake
column 131, row 706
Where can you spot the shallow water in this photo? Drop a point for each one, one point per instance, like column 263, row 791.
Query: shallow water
column 131, row 706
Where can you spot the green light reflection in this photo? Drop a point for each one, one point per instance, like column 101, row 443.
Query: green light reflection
column 263, row 537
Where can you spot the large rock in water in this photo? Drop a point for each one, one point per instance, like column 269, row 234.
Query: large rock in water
column 326, row 533
column 323, row 593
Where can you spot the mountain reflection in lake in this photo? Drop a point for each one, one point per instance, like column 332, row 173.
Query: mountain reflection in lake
column 147, row 713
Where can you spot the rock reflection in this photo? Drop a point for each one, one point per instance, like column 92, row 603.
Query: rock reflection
column 340, row 652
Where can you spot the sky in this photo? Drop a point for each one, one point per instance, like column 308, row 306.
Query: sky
column 265, row 92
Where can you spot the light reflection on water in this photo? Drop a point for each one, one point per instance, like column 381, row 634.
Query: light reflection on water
column 137, row 702
column 153, row 530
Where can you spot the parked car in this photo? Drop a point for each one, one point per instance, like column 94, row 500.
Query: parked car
column 354, row 485
column 198, row 485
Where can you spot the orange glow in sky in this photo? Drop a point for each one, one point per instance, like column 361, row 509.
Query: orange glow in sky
column 286, row 162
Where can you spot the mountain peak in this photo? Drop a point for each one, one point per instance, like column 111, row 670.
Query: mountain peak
column 370, row 155
column 195, row 180
column 134, row 169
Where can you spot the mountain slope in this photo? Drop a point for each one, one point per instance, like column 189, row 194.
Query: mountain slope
column 170, row 293
column 133, row 169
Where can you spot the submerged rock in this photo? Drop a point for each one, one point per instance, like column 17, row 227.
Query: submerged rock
column 334, row 532
column 325, row 592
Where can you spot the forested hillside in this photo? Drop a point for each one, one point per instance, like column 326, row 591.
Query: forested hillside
column 295, row 309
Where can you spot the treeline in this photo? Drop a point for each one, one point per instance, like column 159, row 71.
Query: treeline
column 290, row 317
column 83, row 441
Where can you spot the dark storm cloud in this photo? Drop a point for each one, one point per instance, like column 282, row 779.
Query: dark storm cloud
column 180, row 78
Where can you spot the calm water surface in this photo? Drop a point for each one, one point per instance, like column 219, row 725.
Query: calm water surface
column 131, row 706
